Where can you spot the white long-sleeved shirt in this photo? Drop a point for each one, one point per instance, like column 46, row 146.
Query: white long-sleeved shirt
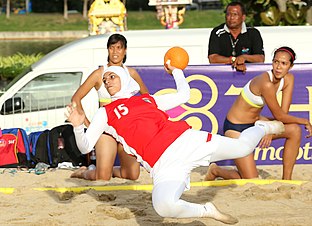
column 87, row 140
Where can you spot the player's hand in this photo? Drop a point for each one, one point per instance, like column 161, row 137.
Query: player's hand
column 74, row 116
column 265, row 141
column 308, row 128
column 169, row 68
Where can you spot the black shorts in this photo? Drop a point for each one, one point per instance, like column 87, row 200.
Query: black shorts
column 227, row 125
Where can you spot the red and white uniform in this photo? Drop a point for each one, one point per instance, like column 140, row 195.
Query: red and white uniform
column 142, row 128
column 170, row 150
column 139, row 124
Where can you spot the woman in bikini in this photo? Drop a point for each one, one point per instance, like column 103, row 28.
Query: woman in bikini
column 107, row 147
column 246, row 110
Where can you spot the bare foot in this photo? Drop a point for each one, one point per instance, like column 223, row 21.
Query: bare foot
column 214, row 213
column 210, row 172
column 79, row 173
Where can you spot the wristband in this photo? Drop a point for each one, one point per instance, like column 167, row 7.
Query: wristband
column 232, row 58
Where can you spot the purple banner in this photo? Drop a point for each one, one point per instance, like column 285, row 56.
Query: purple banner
column 214, row 89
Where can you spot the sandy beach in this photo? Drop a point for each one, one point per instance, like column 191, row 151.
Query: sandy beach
column 53, row 198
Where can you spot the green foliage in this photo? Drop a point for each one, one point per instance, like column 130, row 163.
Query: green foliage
column 42, row 22
column 136, row 20
column 271, row 16
column 203, row 19
column 225, row 3
column 14, row 65
column 267, row 12
column 192, row 19
column 295, row 15
column 142, row 20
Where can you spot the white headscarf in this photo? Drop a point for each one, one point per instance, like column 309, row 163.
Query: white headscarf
column 129, row 87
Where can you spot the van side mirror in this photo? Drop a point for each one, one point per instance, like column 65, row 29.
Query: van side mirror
column 12, row 105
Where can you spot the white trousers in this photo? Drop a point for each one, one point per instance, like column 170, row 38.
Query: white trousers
column 171, row 173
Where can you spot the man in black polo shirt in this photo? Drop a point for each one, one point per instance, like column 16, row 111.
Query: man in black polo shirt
column 233, row 43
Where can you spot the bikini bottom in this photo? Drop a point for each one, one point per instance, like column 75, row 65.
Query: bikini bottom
column 227, row 125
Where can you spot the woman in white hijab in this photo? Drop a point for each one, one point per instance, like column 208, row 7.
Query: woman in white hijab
column 168, row 150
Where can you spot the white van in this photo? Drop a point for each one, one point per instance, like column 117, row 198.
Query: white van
column 36, row 99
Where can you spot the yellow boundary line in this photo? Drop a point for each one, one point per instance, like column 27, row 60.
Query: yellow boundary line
column 7, row 190
column 149, row 187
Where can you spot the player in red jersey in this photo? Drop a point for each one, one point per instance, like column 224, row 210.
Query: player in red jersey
column 168, row 150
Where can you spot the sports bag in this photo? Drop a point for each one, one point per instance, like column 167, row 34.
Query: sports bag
column 63, row 146
column 39, row 147
column 56, row 146
column 14, row 148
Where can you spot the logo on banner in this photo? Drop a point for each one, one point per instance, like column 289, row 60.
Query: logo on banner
column 197, row 111
column 212, row 96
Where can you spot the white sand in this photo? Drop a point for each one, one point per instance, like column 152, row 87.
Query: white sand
column 253, row 204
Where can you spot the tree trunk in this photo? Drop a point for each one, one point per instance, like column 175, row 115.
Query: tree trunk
column 125, row 18
column 27, row 6
column 8, row 9
column 65, row 10
column 85, row 9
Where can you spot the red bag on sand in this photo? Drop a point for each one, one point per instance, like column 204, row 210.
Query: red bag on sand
column 12, row 148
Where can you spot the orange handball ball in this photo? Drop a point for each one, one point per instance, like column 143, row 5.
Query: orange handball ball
column 178, row 57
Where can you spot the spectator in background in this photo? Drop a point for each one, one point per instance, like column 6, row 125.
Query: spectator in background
column 233, row 43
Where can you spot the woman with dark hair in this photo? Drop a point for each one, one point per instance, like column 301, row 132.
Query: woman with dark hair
column 246, row 110
column 168, row 150
column 107, row 147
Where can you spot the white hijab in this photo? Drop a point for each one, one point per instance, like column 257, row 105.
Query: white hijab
column 129, row 87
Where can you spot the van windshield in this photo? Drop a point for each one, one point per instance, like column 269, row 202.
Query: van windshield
column 15, row 80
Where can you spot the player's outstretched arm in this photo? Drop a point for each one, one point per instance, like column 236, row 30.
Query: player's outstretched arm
column 172, row 100
column 86, row 140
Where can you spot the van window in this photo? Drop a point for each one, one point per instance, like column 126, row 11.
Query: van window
column 48, row 91
column 16, row 78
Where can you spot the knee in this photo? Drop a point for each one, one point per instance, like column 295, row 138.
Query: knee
column 134, row 175
column 164, row 207
column 294, row 131
column 130, row 175
column 245, row 150
column 103, row 174
column 131, row 172
column 103, row 177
